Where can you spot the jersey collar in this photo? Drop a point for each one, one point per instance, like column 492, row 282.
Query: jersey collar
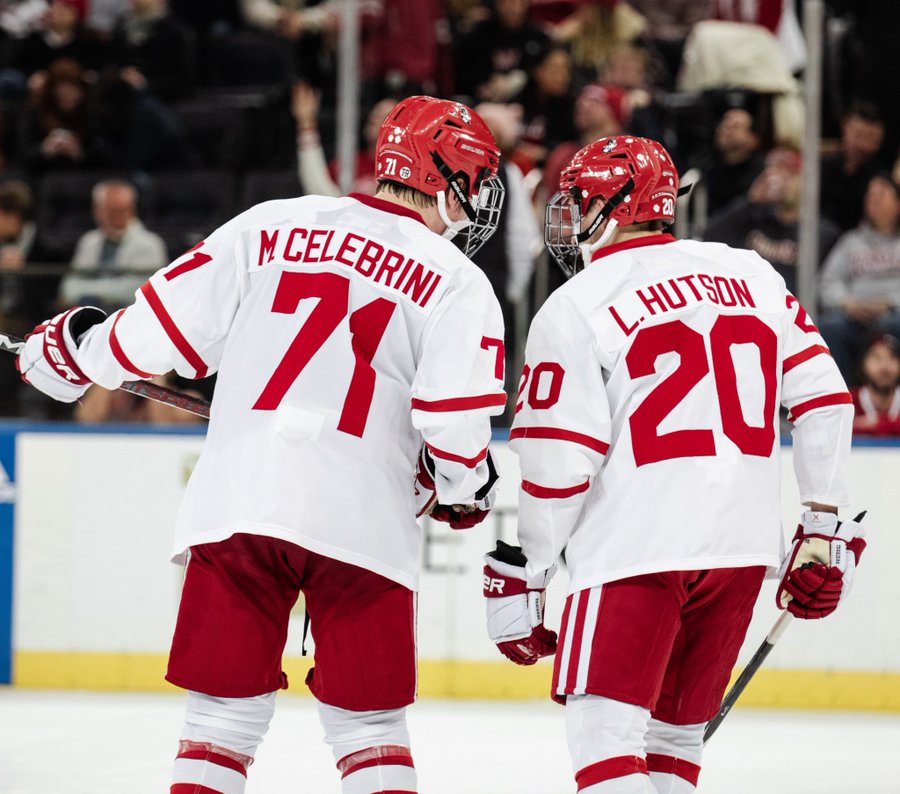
column 386, row 206
column 637, row 242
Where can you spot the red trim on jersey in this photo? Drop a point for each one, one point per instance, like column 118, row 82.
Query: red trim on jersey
column 637, row 242
column 183, row 346
column 670, row 765
column 387, row 206
column 459, row 403
column 470, row 462
column 119, row 354
column 560, row 434
column 543, row 492
column 804, row 355
column 192, row 788
column 798, row 410
column 201, row 754
column 610, row 768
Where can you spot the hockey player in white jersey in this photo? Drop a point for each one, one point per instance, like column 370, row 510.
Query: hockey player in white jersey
column 647, row 430
column 345, row 332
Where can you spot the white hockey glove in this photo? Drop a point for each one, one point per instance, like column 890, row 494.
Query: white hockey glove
column 46, row 360
column 515, row 607
column 457, row 516
column 817, row 574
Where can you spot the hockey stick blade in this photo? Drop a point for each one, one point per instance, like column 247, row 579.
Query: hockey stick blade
column 749, row 671
column 142, row 388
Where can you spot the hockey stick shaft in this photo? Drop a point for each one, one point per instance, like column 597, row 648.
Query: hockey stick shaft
column 749, row 671
column 142, row 388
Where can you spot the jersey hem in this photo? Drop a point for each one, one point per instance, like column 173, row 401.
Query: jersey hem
column 181, row 554
column 578, row 584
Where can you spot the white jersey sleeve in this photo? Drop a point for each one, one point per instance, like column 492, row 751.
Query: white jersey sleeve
column 820, row 407
column 561, row 430
column 179, row 319
column 458, row 385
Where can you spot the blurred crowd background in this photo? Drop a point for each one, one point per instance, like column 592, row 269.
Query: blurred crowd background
column 129, row 129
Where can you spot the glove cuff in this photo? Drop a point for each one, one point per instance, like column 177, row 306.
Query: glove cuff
column 816, row 522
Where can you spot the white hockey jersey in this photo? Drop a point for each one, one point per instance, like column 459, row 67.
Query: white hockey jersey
column 344, row 332
column 647, row 420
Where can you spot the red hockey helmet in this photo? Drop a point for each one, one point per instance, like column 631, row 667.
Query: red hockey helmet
column 636, row 179
column 434, row 145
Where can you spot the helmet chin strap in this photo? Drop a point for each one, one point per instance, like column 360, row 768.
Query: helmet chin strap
column 453, row 227
column 587, row 249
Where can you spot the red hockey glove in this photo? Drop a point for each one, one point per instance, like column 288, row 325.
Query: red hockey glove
column 46, row 360
column 817, row 574
column 457, row 516
column 515, row 608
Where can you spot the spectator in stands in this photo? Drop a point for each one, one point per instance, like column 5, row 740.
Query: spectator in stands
column 872, row 59
column 24, row 298
column 600, row 112
column 737, row 159
column 61, row 125
column 777, row 16
column 629, row 68
column 668, row 24
column 155, row 51
column 877, row 399
column 593, row 31
column 103, row 256
column 766, row 221
column 307, row 25
column 140, row 133
column 315, row 173
column 846, row 173
column 492, row 60
column 546, row 102
column 61, row 35
column 860, row 286
column 103, row 16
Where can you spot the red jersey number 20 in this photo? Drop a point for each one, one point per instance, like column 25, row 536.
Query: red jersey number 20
column 651, row 446
column 367, row 326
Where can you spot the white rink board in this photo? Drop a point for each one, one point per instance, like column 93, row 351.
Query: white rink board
column 94, row 517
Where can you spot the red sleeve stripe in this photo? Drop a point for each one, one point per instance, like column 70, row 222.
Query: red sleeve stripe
column 562, row 435
column 470, row 462
column 117, row 351
column 804, row 355
column 825, row 400
column 182, row 345
column 459, row 403
column 542, row 492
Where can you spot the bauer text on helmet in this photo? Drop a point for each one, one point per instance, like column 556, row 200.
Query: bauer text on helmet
column 436, row 146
